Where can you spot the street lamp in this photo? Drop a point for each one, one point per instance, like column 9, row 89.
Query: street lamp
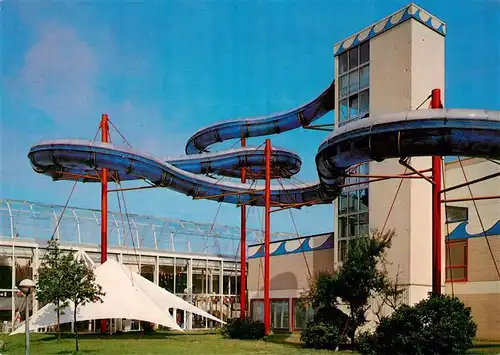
column 27, row 286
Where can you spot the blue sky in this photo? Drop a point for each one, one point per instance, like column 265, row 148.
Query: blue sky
column 162, row 70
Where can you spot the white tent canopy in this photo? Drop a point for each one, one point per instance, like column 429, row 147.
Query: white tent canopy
column 127, row 295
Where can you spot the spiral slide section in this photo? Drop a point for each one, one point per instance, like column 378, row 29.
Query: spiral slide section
column 459, row 132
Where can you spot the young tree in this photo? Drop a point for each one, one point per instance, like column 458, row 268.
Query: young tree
column 52, row 283
column 83, row 289
column 360, row 277
column 391, row 297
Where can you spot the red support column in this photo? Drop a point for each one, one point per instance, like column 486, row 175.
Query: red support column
column 267, row 304
column 243, row 248
column 436, row 208
column 104, row 205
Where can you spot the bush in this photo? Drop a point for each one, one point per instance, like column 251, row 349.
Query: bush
column 440, row 324
column 247, row 328
column 321, row 336
column 148, row 327
column 331, row 315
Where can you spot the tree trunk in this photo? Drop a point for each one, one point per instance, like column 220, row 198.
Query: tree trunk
column 58, row 320
column 75, row 326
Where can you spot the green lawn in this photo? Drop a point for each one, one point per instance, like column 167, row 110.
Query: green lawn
column 157, row 343
column 171, row 343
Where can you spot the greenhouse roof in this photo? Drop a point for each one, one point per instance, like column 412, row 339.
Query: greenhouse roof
column 31, row 221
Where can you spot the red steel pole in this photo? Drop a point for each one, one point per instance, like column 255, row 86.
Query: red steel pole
column 243, row 247
column 267, row 194
column 104, row 205
column 436, row 208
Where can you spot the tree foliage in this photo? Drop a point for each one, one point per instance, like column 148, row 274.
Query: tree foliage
column 440, row 324
column 83, row 289
column 321, row 336
column 52, row 284
column 61, row 279
column 237, row 328
column 359, row 278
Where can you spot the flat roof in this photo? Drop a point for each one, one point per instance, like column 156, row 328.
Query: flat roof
column 31, row 221
column 410, row 11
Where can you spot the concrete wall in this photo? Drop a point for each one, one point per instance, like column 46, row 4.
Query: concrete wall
column 406, row 63
column 485, row 311
column 289, row 273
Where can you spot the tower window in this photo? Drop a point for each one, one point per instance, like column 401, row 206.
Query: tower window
column 354, row 79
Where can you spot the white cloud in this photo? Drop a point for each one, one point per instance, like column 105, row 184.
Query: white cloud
column 59, row 73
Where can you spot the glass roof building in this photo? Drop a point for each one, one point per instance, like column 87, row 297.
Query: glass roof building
column 197, row 261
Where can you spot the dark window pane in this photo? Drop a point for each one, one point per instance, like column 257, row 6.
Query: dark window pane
column 342, row 227
column 352, row 224
column 455, row 254
column 343, row 63
column 456, row 273
column 363, row 224
column 364, row 170
column 364, row 77
column 353, row 201
column 363, row 200
column 353, row 81
column 258, row 310
column 364, row 52
column 353, row 57
column 456, row 214
column 302, row 315
column 279, row 314
column 344, row 111
column 343, row 203
column 364, row 103
column 353, row 106
column 344, row 85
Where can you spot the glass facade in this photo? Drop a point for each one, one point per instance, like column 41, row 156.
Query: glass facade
column 301, row 315
column 196, row 261
column 354, row 104
column 353, row 209
column 354, row 83
column 171, row 273
column 279, row 312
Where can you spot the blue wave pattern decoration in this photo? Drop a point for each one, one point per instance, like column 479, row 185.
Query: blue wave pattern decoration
column 460, row 232
column 292, row 246
column 410, row 11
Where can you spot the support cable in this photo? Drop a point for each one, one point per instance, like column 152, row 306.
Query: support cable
column 68, row 199
column 212, row 226
column 301, row 244
column 298, row 236
column 423, row 102
column 480, row 220
column 393, row 202
column 401, row 181
column 129, row 225
column 119, row 133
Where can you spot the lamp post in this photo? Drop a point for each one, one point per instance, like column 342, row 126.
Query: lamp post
column 27, row 286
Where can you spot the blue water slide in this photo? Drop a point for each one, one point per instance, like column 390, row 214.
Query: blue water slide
column 461, row 132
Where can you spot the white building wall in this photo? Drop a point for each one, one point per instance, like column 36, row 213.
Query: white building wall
column 406, row 63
